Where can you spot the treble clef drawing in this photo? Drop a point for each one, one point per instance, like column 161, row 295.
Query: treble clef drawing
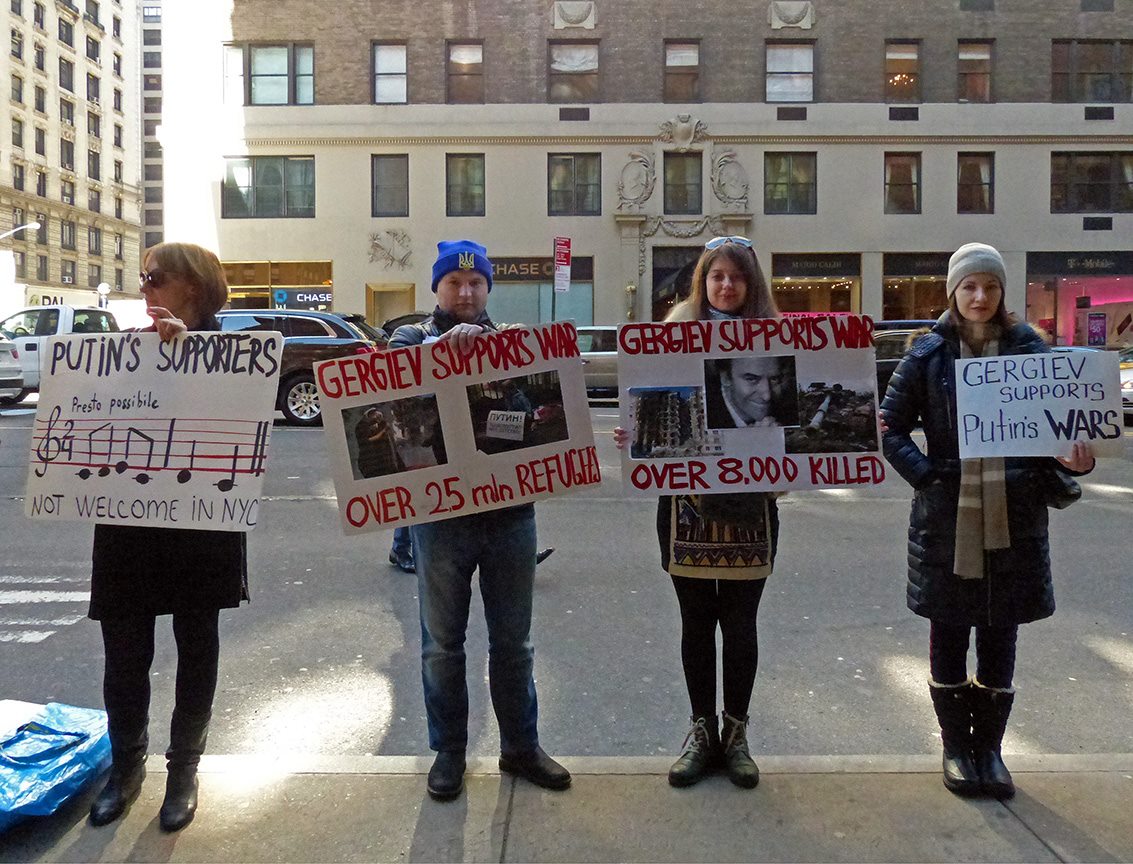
column 51, row 445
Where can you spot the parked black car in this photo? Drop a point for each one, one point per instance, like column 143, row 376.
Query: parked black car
column 308, row 337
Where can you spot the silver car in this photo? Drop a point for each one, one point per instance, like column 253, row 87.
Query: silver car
column 11, row 375
column 599, row 349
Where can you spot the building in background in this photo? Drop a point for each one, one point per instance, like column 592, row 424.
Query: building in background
column 71, row 151
column 857, row 144
column 153, row 198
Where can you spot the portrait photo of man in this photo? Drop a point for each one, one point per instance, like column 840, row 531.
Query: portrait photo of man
column 743, row 392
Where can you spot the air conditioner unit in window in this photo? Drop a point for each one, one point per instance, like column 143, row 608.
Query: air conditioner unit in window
column 67, row 280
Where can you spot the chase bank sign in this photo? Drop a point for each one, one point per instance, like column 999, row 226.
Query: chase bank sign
column 302, row 298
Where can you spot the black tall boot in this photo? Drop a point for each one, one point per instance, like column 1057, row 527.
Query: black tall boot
column 187, row 737
column 127, row 771
column 991, row 707
column 954, row 713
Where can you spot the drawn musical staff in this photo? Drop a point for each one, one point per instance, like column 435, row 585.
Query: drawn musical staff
column 52, row 446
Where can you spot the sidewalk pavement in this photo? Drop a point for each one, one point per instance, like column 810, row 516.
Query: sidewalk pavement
column 806, row 808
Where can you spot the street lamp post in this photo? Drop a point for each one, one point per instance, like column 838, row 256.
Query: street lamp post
column 103, row 290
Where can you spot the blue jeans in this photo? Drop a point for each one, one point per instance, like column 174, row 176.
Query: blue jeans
column 402, row 541
column 502, row 544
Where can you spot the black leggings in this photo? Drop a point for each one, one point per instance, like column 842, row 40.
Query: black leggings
column 733, row 604
column 995, row 654
column 128, row 643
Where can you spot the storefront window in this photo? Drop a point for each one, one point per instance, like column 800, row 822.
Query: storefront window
column 820, row 282
column 1065, row 288
column 522, row 292
column 254, row 284
column 913, row 297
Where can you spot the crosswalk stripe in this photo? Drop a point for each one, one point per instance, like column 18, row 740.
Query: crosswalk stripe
column 40, row 580
column 61, row 621
column 27, row 636
column 7, row 597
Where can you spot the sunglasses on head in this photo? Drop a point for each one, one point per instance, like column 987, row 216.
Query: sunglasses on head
column 717, row 242
column 152, row 278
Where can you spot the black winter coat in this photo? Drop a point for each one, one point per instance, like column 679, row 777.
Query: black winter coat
column 1017, row 584
column 139, row 570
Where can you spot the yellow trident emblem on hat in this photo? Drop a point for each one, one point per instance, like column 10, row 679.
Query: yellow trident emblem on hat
column 467, row 261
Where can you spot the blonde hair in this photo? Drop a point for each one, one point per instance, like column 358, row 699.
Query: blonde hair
column 197, row 265
column 758, row 302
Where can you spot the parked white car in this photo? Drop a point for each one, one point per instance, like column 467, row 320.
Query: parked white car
column 30, row 329
column 11, row 375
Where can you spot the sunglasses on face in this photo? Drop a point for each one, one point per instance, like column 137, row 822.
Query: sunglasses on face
column 152, row 278
column 717, row 242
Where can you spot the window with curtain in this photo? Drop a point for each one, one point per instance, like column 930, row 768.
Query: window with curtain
column 465, row 73
column 682, row 72
column 902, row 72
column 790, row 183
column 1094, row 70
column 790, row 72
column 975, row 183
column 684, row 189
column 572, row 72
column 1089, row 182
column 973, row 65
column 390, row 178
column 902, row 182
column 464, row 184
column 574, row 184
column 269, row 187
column 391, row 78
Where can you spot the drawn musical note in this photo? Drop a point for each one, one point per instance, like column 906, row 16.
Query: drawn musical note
column 51, row 446
column 124, row 463
column 227, row 484
column 259, row 449
column 94, row 459
column 185, row 474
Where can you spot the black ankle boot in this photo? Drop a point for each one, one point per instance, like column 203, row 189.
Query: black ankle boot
column 122, row 787
column 700, row 754
column 742, row 769
column 990, row 709
column 188, row 735
column 446, row 777
column 953, row 705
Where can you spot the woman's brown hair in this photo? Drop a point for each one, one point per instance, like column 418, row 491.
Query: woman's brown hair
column 200, row 267
column 758, row 302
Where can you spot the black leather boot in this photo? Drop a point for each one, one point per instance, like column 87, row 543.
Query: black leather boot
column 953, row 704
column 127, row 771
column 446, row 777
column 741, row 768
column 700, row 754
column 990, row 709
column 187, row 737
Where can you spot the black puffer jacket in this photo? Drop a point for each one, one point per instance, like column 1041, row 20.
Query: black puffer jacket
column 1017, row 585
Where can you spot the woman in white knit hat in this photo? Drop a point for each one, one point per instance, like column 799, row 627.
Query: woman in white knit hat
column 978, row 544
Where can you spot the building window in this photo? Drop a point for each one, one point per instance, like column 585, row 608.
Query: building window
column 464, row 73
column 118, row 247
column 151, row 59
column 391, row 74
column 18, row 178
column 93, row 49
column 153, row 195
column 151, row 105
column 41, row 184
column 151, row 82
column 41, row 141
column 41, row 268
column 18, row 89
column 790, row 72
column 153, row 173
column 116, row 64
column 268, row 74
column 118, row 132
column 67, row 191
column 116, row 27
column 67, row 234
column 152, row 238
column 153, row 217
column 18, row 7
column 390, row 182
column 39, row 15
column 902, row 182
column 66, row 74
column 118, row 171
column 21, row 259
column 117, row 100
column 66, row 154
column 1091, row 71
column 92, row 87
column 41, row 231
column 902, row 72
column 464, row 184
column 973, row 65
column 151, row 36
column 975, row 183
column 67, row 272
column 17, row 44
column 683, row 183
column 118, row 279
column 572, row 72
column 92, row 11
column 790, row 183
column 149, row 128
column 40, row 100
column 94, row 125
column 94, row 165
column 151, row 14
column 94, row 240
column 1091, row 182
column 66, row 32
column 574, row 184
column 682, row 72
column 117, row 207
column 17, row 132
column 67, row 111
column 18, row 216
column 269, row 187
column 152, row 150
column 94, row 200
column 40, row 54
column 94, row 275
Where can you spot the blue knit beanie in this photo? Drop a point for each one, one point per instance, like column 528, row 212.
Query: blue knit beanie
column 461, row 255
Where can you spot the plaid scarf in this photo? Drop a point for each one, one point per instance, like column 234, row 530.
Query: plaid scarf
column 981, row 515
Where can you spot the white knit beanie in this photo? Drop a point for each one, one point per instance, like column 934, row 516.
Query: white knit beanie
column 975, row 258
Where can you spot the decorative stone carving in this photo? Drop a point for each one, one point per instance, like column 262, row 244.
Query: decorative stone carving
column 638, row 177
column 682, row 132
column 574, row 13
column 683, row 229
column 729, row 180
column 790, row 13
column 390, row 247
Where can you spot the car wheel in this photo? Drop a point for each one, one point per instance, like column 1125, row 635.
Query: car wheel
column 14, row 400
column 300, row 403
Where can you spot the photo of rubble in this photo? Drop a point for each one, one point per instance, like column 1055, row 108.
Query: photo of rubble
column 835, row 417
column 668, row 422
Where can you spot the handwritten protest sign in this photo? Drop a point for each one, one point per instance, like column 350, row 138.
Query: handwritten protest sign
column 746, row 406
column 425, row 433
column 131, row 430
column 1039, row 404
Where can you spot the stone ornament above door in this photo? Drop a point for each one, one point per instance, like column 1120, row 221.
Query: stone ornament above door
column 389, row 247
column 790, row 13
column 682, row 132
column 574, row 13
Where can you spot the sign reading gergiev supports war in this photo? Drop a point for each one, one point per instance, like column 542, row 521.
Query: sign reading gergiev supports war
column 426, row 432
column 131, row 430
column 745, row 406
column 1039, row 404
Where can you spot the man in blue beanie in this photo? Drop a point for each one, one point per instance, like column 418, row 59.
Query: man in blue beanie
column 502, row 544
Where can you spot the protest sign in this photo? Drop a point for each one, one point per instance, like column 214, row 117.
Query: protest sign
column 425, row 433
column 1039, row 404
column 747, row 406
column 131, row 430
